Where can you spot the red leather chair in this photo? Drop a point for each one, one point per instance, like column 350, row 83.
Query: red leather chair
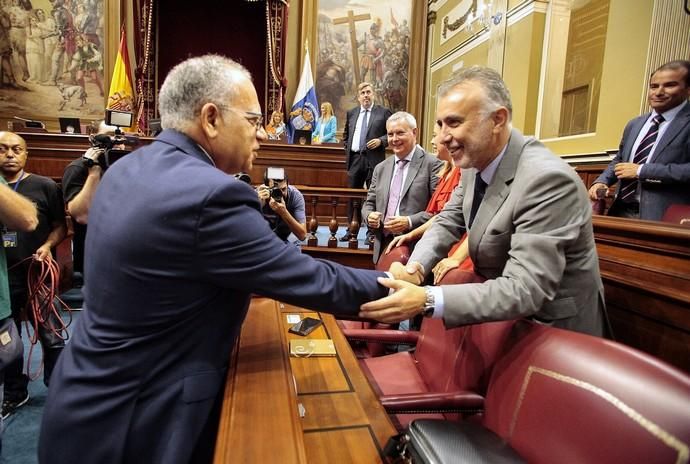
column 677, row 214
column 366, row 349
column 561, row 396
column 447, row 373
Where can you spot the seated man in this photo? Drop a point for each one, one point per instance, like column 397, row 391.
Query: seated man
column 401, row 186
column 282, row 205
column 528, row 219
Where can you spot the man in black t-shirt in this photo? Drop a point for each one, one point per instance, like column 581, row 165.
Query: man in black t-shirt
column 20, row 247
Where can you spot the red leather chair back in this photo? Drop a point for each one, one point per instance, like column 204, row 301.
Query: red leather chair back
column 398, row 254
column 460, row 358
column 677, row 214
column 561, row 396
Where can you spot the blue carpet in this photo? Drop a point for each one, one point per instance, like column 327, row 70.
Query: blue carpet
column 20, row 439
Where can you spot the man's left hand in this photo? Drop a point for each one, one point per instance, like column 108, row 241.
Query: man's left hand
column 42, row 253
column 277, row 206
column 373, row 143
column 626, row 170
column 396, row 224
column 407, row 301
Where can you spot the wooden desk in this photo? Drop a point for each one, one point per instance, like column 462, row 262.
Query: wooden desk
column 344, row 421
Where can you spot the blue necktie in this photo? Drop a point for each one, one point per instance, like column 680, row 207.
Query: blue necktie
column 363, row 132
column 629, row 186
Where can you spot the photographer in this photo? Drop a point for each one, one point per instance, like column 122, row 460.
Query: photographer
column 79, row 184
column 282, row 205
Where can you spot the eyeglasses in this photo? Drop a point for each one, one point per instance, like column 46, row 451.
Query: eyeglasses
column 17, row 149
column 255, row 119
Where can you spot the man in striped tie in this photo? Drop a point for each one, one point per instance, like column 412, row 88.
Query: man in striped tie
column 652, row 166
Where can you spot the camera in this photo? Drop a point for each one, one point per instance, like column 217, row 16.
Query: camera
column 108, row 143
column 277, row 175
column 276, row 193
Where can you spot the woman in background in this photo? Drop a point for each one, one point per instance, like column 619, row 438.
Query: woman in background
column 276, row 127
column 325, row 125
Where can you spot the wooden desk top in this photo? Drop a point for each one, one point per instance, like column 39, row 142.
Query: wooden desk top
column 343, row 422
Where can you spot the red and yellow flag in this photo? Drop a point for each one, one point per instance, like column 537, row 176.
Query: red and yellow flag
column 121, row 96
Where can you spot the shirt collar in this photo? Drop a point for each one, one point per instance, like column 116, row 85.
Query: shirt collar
column 670, row 114
column 409, row 156
column 488, row 172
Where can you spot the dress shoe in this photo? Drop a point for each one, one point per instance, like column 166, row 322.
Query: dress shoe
column 370, row 239
column 346, row 237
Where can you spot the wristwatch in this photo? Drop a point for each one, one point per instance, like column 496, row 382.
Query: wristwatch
column 429, row 303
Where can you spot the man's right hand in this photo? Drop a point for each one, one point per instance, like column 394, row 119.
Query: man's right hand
column 374, row 219
column 264, row 193
column 412, row 273
column 593, row 195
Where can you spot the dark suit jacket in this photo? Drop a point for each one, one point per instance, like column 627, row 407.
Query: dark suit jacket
column 666, row 179
column 174, row 251
column 376, row 129
column 420, row 184
column 532, row 238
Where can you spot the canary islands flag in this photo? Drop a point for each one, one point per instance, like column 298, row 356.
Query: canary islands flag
column 305, row 110
column 121, row 95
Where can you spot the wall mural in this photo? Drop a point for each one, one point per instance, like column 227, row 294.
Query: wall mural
column 362, row 40
column 51, row 54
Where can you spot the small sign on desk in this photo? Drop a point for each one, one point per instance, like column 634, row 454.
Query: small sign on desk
column 311, row 347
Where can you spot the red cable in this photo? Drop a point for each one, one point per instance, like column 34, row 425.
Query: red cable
column 43, row 279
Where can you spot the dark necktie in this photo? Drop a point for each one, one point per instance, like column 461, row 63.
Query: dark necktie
column 629, row 186
column 363, row 132
column 396, row 188
column 479, row 190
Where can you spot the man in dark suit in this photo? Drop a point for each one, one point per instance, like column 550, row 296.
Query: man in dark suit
column 652, row 166
column 528, row 219
column 176, row 247
column 365, row 141
column 401, row 186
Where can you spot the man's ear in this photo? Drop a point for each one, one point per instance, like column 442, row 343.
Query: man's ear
column 501, row 118
column 210, row 119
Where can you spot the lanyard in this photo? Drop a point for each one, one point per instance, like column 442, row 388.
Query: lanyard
column 19, row 180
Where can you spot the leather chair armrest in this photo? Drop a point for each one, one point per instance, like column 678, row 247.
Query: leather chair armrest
column 456, row 401
column 391, row 337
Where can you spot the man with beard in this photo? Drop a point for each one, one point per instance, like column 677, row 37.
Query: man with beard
column 528, row 218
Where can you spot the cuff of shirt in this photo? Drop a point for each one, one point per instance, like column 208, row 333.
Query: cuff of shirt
column 438, row 302
column 639, row 170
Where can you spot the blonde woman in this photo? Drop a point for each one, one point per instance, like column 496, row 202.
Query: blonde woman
column 325, row 125
column 276, row 127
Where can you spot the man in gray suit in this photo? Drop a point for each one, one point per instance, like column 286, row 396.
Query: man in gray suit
column 401, row 186
column 652, row 166
column 528, row 218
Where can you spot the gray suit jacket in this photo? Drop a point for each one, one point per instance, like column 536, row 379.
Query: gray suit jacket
column 419, row 185
column 665, row 180
column 532, row 239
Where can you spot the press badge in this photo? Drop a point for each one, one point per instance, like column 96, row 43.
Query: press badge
column 9, row 239
column 5, row 338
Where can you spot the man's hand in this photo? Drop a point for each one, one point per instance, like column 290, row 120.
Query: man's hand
column 626, row 170
column 94, row 154
column 278, row 206
column 398, row 241
column 443, row 266
column 396, row 224
column 374, row 220
column 594, row 190
column 373, row 143
column 264, row 193
column 42, row 253
column 412, row 273
column 407, row 301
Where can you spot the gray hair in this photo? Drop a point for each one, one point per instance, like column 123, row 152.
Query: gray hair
column 495, row 89
column 195, row 82
column 402, row 115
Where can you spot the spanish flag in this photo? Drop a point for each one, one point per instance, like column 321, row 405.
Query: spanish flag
column 121, row 96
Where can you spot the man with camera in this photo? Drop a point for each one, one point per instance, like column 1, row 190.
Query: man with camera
column 79, row 183
column 282, row 205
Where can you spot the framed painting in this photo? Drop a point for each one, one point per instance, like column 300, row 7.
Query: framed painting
column 54, row 59
column 368, row 41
